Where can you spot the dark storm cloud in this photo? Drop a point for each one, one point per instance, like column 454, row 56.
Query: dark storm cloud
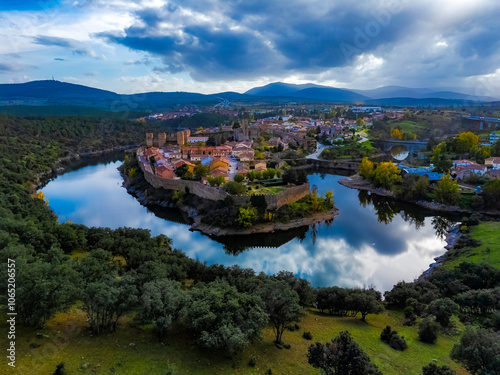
column 250, row 39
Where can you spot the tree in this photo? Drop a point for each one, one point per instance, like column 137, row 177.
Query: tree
column 367, row 301
column 443, row 309
column 239, row 177
column 223, row 318
column 107, row 300
column 495, row 148
column 396, row 133
column 271, row 172
column 360, row 122
column 60, row 369
column 303, row 287
column 247, row 216
column 201, row 170
column 215, row 181
column 181, row 171
column 428, row 330
column 43, row 286
column 281, row 305
column 492, row 192
column 258, row 155
column 366, row 168
column 211, row 141
column 342, row 356
column 161, row 301
column 466, row 141
column 447, row 190
column 329, row 202
column 235, row 188
column 386, row 174
column 433, row 369
column 479, row 351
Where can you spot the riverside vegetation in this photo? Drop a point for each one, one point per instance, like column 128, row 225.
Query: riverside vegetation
column 123, row 301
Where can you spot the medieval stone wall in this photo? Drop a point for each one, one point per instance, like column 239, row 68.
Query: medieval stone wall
column 274, row 201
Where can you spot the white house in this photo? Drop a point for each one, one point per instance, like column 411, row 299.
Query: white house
column 495, row 136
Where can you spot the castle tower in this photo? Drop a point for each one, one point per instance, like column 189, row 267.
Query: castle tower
column 149, row 139
column 162, row 139
column 244, row 127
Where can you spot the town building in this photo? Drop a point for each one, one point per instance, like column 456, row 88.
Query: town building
column 493, row 162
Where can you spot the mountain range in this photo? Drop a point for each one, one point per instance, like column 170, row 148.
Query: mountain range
column 56, row 93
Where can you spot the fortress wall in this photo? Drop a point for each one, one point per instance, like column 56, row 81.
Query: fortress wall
column 274, row 201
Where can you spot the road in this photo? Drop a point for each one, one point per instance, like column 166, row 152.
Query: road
column 319, row 148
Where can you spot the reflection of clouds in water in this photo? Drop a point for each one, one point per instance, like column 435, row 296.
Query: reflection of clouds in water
column 356, row 250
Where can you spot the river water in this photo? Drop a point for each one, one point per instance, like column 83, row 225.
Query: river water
column 373, row 241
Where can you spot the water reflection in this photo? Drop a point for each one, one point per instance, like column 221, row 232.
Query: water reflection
column 372, row 241
column 400, row 152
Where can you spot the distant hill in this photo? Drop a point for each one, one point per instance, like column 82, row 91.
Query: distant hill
column 280, row 89
column 55, row 94
column 422, row 93
column 52, row 90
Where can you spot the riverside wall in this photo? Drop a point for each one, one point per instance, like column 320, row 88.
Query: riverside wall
column 274, row 201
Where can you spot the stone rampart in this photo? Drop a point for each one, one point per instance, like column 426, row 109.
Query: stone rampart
column 274, row 201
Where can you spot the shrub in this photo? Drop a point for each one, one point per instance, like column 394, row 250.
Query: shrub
column 386, row 334
column 433, row 369
column 408, row 311
column 252, row 362
column 393, row 339
column 428, row 330
column 398, row 343
column 307, row 335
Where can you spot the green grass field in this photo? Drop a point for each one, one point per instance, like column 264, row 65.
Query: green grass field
column 67, row 340
column 488, row 252
column 409, row 126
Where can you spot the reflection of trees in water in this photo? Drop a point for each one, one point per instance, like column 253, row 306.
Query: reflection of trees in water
column 441, row 225
column 364, row 198
column 235, row 245
column 387, row 209
column 314, row 233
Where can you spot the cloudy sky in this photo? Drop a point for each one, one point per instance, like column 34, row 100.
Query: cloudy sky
column 207, row 46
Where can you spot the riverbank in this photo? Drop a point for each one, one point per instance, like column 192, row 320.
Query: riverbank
column 150, row 197
column 451, row 237
column 315, row 218
column 356, row 182
column 62, row 165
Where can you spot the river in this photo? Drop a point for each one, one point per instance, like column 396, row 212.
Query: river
column 373, row 241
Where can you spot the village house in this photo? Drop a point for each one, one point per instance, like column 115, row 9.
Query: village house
column 461, row 163
column 221, row 163
column 260, row 165
column 494, row 173
column 243, row 168
column 274, row 142
column 179, row 163
column 165, row 171
column 197, row 139
column 466, row 171
column 151, row 151
column 246, row 155
column 493, row 162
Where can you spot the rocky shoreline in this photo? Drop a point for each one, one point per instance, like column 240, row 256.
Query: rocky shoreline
column 264, row 227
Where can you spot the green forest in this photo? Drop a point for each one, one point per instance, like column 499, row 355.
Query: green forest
column 96, row 300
